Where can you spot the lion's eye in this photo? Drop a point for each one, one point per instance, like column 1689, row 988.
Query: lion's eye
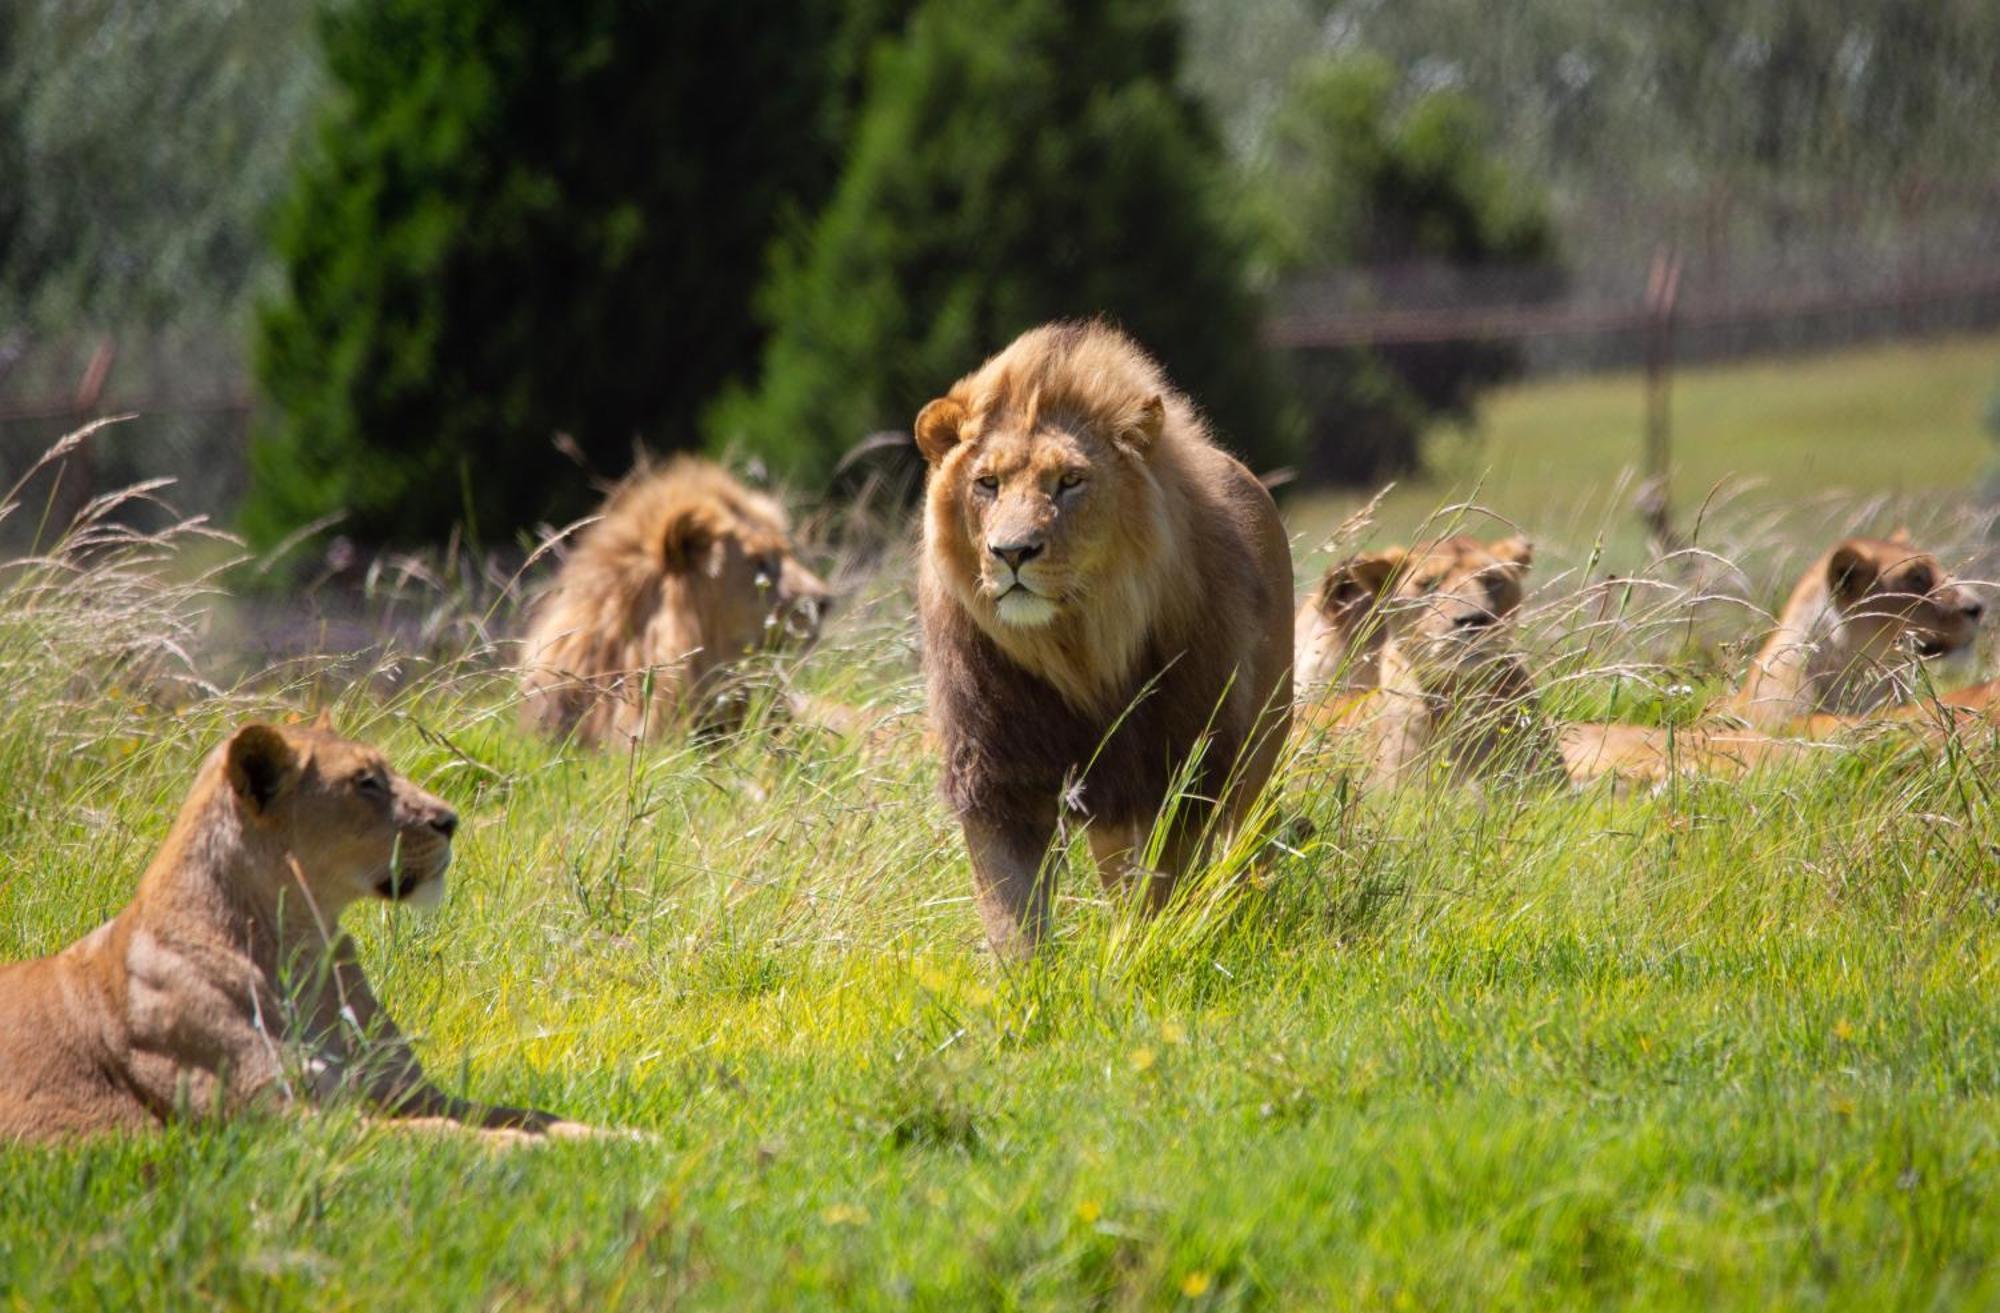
column 986, row 483
column 1070, row 479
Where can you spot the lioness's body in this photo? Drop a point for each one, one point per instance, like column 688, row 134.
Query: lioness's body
column 1115, row 600
column 684, row 573
column 1852, row 631
column 1844, row 650
column 1450, row 696
column 1337, row 643
column 226, row 980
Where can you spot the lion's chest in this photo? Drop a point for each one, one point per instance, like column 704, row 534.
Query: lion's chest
column 1014, row 746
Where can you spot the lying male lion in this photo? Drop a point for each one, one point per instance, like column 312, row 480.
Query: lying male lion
column 1105, row 595
column 685, row 572
column 1845, row 647
column 225, row 982
column 1450, row 693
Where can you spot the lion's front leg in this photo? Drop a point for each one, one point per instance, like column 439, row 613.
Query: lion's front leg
column 1013, row 881
column 1118, row 851
column 1115, row 849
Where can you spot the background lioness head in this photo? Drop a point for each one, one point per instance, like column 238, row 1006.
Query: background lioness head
column 1889, row 591
column 1039, row 498
column 342, row 818
column 1441, row 605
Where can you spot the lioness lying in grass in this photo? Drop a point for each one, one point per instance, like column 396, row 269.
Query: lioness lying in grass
column 1844, row 653
column 1448, row 694
column 226, row 981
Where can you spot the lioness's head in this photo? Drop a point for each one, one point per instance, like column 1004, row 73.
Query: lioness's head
column 1039, row 500
column 1890, row 592
column 347, row 823
column 1442, row 605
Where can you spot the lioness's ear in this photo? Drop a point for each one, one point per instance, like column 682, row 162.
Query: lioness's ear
column 938, row 428
column 323, row 722
column 1516, row 552
column 1850, row 571
column 689, row 533
column 1359, row 579
column 1902, row 536
column 260, row 764
column 1146, row 429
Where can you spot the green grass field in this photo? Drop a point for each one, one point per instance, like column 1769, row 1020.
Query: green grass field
column 1559, row 458
column 1732, row 1046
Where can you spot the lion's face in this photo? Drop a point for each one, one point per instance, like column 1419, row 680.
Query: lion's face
column 1443, row 606
column 743, row 577
column 1895, row 594
column 1033, row 511
column 353, row 826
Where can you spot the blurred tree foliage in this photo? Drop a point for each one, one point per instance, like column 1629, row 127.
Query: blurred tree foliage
column 1646, row 96
column 140, row 146
column 525, row 219
column 1358, row 177
column 1016, row 161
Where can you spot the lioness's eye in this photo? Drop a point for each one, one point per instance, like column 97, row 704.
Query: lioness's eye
column 987, row 483
column 370, row 784
column 1919, row 580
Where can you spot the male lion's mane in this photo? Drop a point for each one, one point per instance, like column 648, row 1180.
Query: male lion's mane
column 622, row 610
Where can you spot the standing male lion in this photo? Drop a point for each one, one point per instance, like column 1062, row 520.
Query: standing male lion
column 1105, row 598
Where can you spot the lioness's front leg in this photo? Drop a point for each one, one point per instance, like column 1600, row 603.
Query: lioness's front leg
column 362, row 1042
column 1013, row 881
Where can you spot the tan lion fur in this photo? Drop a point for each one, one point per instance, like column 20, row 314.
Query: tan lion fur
column 1104, row 594
column 684, row 573
column 1451, row 696
column 1852, row 631
column 1842, row 655
column 1337, row 641
column 226, row 981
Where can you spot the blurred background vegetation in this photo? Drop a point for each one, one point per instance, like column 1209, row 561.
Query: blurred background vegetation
column 374, row 257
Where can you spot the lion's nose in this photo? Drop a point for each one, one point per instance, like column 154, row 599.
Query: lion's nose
column 1973, row 610
column 1015, row 555
column 445, row 823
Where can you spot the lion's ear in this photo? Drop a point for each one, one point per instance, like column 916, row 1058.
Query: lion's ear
column 1359, row 580
column 260, row 764
column 689, row 533
column 1146, row 429
column 938, row 427
column 1516, row 552
column 1850, row 571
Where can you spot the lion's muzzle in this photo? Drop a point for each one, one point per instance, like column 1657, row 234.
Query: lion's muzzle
column 416, row 872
